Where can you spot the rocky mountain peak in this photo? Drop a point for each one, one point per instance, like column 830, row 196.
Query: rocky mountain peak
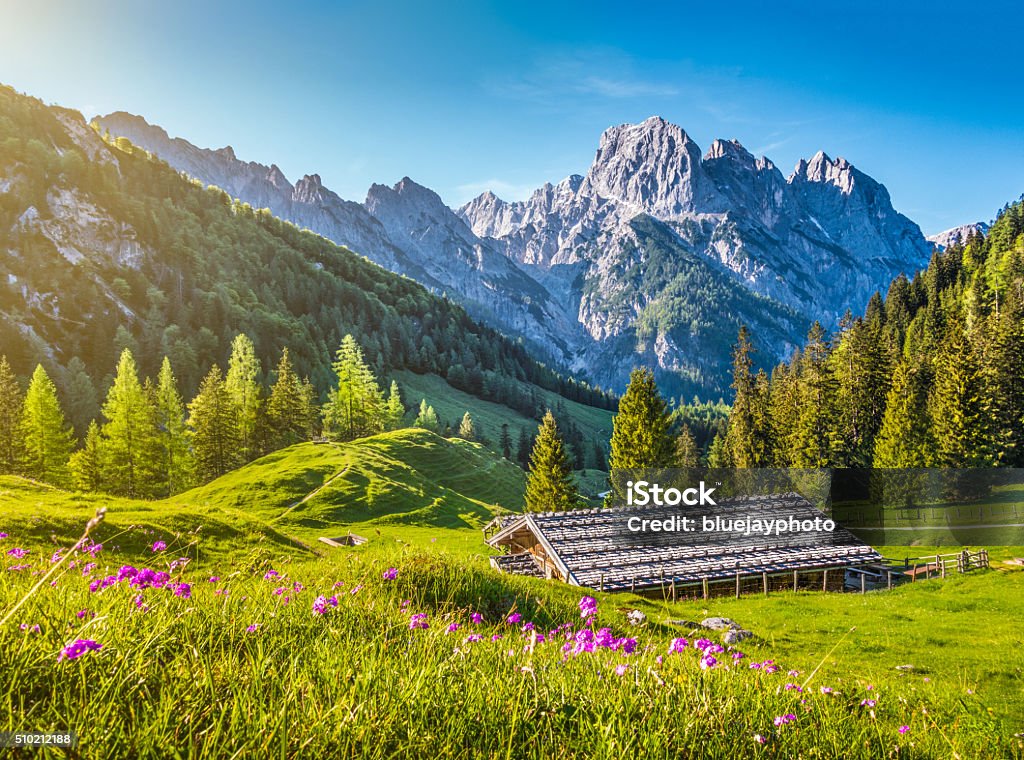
column 728, row 149
column 653, row 166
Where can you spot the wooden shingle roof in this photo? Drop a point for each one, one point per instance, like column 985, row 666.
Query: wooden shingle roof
column 595, row 548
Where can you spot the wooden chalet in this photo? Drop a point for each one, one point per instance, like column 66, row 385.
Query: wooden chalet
column 592, row 548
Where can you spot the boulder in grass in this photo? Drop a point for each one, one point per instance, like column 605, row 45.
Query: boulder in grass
column 736, row 635
column 719, row 624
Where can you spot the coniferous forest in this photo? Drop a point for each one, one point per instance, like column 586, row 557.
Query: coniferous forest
column 931, row 376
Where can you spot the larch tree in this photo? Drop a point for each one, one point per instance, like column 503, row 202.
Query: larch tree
column 687, row 455
column 128, row 432
column 356, row 405
column 48, row 439
column 242, row 384
column 172, row 452
column 549, row 484
column 215, row 437
column 86, row 464
column 466, row 430
column 427, row 418
column 394, row 411
column 289, row 410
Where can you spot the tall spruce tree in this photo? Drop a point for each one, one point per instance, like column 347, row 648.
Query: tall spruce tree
column 960, row 405
column 128, row 432
column 815, row 433
column 11, row 404
column 904, row 438
column 640, row 430
column 48, row 439
column 356, row 406
column 862, row 370
column 242, row 384
column 523, row 449
column 550, row 485
column 215, row 436
column 172, row 453
column 748, row 436
column 505, row 441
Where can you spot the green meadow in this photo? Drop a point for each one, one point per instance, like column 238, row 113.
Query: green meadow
column 270, row 643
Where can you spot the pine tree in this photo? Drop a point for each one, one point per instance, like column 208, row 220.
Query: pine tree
column 640, row 430
column 427, row 418
column 243, row 387
column 394, row 412
column 600, row 462
column 127, row 435
column 11, row 404
column 172, row 453
column 505, row 442
column 215, row 436
column 48, row 439
column 86, row 464
column 356, row 406
column 289, row 412
column 904, row 438
column 466, row 431
column 549, row 485
column 687, row 455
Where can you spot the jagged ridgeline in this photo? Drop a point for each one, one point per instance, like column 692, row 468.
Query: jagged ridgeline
column 103, row 246
column 931, row 376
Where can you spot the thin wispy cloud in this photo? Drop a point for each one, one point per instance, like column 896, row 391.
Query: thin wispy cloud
column 626, row 88
column 588, row 74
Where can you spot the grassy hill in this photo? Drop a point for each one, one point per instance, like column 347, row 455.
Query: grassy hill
column 409, row 485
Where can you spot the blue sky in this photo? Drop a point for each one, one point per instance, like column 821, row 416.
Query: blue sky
column 924, row 97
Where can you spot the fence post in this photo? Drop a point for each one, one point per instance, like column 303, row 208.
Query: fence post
column 602, row 583
column 913, row 577
column 863, row 583
column 704, row 583
column 673, row 588
column 632, row 585
column 796, row 574
column 888, row 579
column 824, row 580
column 737, row 584
column 764, row 580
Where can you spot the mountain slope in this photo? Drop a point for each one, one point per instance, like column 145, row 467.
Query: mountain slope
column 103, row 246
column 565, row 269
column 808, row 246
column 405, row 228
